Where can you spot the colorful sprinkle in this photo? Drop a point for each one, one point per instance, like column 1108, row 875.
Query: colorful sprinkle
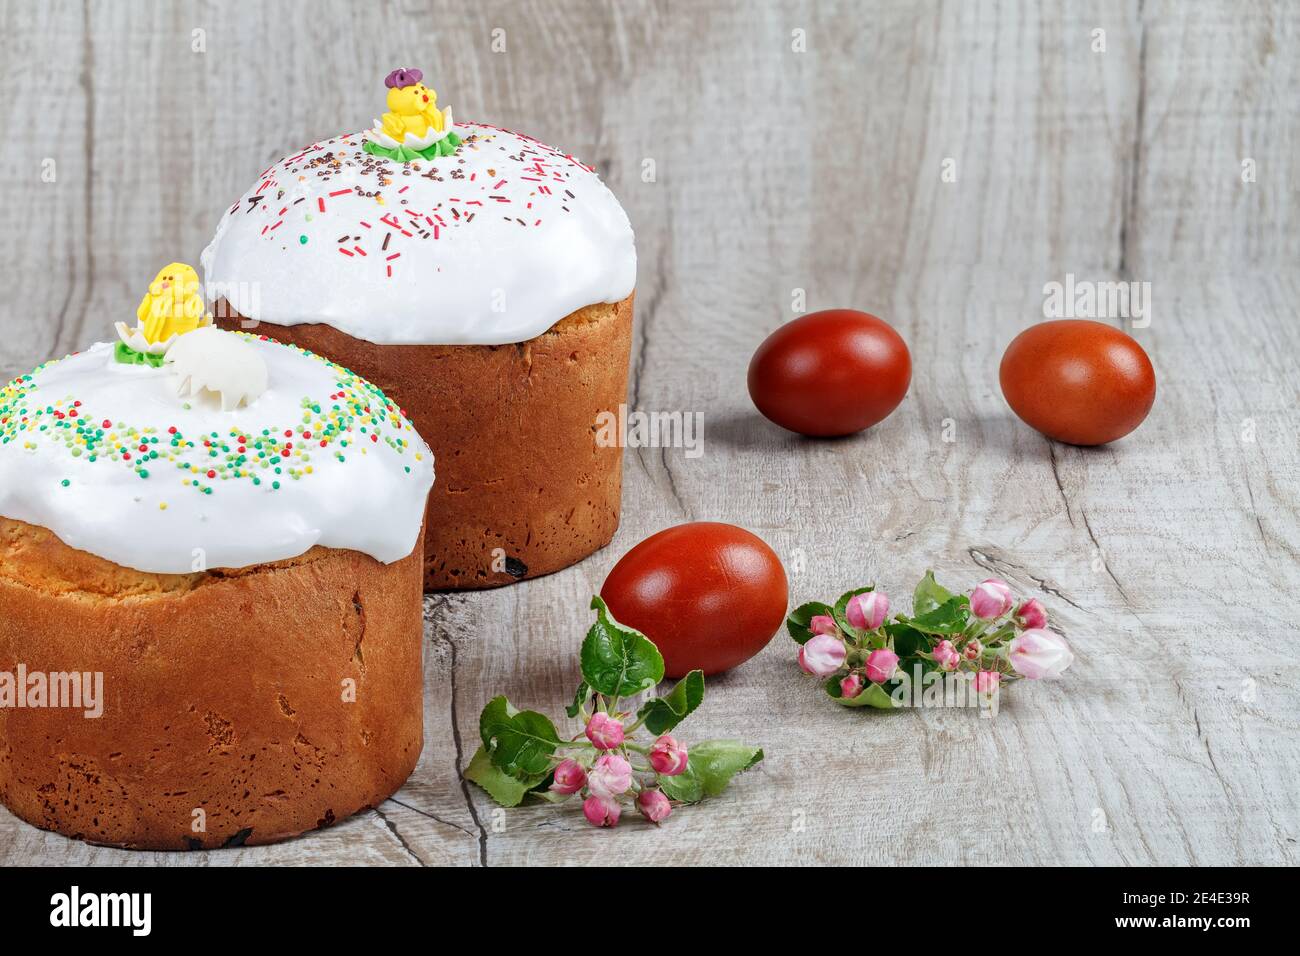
column 354, row 407
column 520, row 174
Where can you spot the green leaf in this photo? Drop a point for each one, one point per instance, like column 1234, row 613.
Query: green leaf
column 662, row 714
column 616, row 660
column 500, row 786
column 801, row 617
column 948, row 619
column 579, row 698
column 908, row 641
column 929, row 594
column 873, row 695
column 549, row 795
column 518, row 742
column 709, row 768
column 498, row 709
column 841, row 611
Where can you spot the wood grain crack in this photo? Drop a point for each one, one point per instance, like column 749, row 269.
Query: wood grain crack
column 1259, row 523
column 1129, row 204
column 460, row 747
column 658, row 288
column 1201, row 736
column 649, row 314
column 672, row 484
column 88, row 87
column 1101, row 552
column 996, row 564
column 432, row 816
column 392, row 828
column 1056, row 475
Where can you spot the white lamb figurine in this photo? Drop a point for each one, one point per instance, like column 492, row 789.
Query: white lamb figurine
column 213, row 360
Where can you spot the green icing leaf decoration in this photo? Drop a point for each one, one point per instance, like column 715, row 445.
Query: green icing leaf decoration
column 662, row 714
column 709, row 768
column 618, row 661
column 446, row 146
column 125, row 355
column 800, row 619
column 500, row 786
column 520, row 743
column 929, row 594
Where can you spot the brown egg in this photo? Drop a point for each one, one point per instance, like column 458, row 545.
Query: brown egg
column 1081, row 382
column 830, row 373
column 710, row 595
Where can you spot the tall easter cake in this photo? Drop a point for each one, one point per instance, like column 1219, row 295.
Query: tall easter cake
column 210, row 586
column 482, row 279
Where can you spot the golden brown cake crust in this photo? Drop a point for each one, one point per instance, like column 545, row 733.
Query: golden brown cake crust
column 522, row 487
column 224, row 692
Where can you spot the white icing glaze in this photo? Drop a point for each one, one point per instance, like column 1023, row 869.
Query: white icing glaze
column 371, row 500
column 492, row 245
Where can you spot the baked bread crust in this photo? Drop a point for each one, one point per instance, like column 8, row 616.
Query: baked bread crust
column 523, row 488
column 224, row 691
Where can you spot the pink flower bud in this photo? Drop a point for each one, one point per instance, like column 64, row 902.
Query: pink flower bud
column 654, row 806
column 972, row 650
column 823, row 624
column 1031, row 614
column 604, row 731
column 881, row 665
column 986, row 682
column 946, row 656
column 1039, row 653
column 601, row 811
column 609, row 776
column 822, row 656
column 990, row 599
column 569, row 777
column 852, row 685
column 667, row 756
column 867, row 611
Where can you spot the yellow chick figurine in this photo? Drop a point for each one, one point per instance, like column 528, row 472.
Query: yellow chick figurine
column 172, row 306
column 413, row 107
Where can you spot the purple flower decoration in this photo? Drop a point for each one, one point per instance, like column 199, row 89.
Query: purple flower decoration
column 400, row 78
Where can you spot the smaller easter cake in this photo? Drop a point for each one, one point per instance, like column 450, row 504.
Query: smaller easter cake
column 484, row 280
column 210, row 586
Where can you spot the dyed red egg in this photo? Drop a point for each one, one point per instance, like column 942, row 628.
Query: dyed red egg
column 830, row 373
column 710, row 595
column 1081, row 382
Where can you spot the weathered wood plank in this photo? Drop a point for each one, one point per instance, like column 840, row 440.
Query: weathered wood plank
column 49, row 237
column 1169, row 560
column 1220, row 119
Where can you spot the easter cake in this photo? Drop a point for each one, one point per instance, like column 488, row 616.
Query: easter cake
column 482, row 279
column 210, row 586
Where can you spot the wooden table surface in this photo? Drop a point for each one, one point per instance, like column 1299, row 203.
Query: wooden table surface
column 802, row 149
